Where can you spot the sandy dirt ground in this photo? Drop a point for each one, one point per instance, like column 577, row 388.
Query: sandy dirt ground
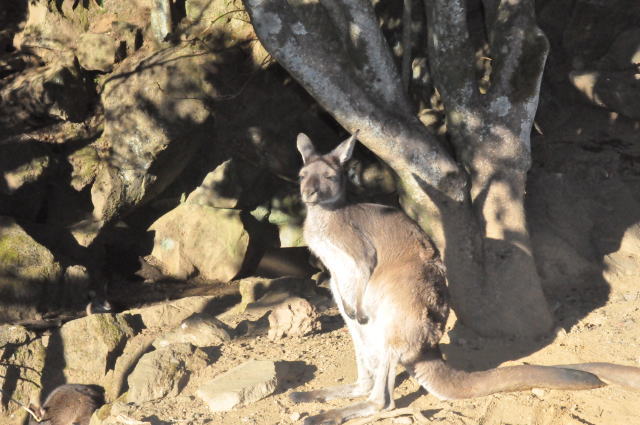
column 609, row 333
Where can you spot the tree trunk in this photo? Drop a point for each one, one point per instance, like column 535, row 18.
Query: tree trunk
column 475, row 210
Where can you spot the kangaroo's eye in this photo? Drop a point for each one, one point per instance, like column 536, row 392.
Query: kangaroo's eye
column 330, row 176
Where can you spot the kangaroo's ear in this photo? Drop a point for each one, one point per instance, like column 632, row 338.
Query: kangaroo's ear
column 345, row 149
column 305, row 147
column 36, row 411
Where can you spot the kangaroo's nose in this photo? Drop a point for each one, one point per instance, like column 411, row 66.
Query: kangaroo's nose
column 310, row 195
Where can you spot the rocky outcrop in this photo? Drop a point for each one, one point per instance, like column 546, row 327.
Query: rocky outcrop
column 23, row 357
column 156, row 116
column 28, row 271
column 84, row 350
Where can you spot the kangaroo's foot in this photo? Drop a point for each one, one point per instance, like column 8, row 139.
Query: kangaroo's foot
column 357, row 389
column 338, row 416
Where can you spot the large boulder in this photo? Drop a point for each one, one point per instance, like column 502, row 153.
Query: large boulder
column 84, row 350
column 23, row 358
column 233, row 184
column 156, row 116
column 96, row 52
column 164, row 372
column 190, row 238
column 26, row 270
column 57, row 91
column 54, row 29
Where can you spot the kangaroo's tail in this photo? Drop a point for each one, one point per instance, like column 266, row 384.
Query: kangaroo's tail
column 447, row 383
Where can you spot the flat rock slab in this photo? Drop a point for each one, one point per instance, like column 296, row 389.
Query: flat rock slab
column 247, row 383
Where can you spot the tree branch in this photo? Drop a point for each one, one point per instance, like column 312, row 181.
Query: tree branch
column 336, row 50
column 450, row 53
column 519, row 51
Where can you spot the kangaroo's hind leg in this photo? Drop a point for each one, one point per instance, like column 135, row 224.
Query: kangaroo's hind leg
column 380, row 398
column 360, row 388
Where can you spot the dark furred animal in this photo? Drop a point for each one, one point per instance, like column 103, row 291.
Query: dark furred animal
column 389, row 283
column 69, row 404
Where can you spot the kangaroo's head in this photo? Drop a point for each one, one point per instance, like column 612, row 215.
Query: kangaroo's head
column 322, row 177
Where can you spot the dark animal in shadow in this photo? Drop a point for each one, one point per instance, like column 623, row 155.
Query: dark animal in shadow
column 69, row 404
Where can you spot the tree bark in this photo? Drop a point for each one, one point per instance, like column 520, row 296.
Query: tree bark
column 470, row 200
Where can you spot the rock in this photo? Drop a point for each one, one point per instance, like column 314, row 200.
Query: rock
column 295, row 417
column 75, row 286
column 160, row 20
column 228, row 186
column 52, row 31
column 248, row 328
column 85, row 231
column 156, row 117
column 293, row 317
column 57, row 91
column 593, row 26
column 287, row 213
column 538, row 392
column 27, row 269
column 133, row 350
column 96, row 52
column 46, row 33
column 283, row 262
column 245, row 384
column 22, row 168
column 199, row 330
column 211, row 16
column 84, row 350
column 171, row 314
column 191, row 237
column 163, row 373
column 85, row 163
column 23, row 358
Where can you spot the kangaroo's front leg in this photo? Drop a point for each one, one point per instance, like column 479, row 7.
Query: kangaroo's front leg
column 353, row 282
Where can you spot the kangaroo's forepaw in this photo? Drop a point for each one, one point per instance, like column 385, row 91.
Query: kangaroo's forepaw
column 349, row 311
column 305, row 397
column 361, row 317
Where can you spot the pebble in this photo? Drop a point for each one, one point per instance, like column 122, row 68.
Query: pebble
column 538, row 392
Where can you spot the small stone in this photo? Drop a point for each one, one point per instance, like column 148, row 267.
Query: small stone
column 295, row 417
column 537, row 392
column 249, row 382
column 404, row 420
column 293, row 317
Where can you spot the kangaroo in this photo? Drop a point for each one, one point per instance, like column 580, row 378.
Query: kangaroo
column 69, row 404
column 389, row 283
